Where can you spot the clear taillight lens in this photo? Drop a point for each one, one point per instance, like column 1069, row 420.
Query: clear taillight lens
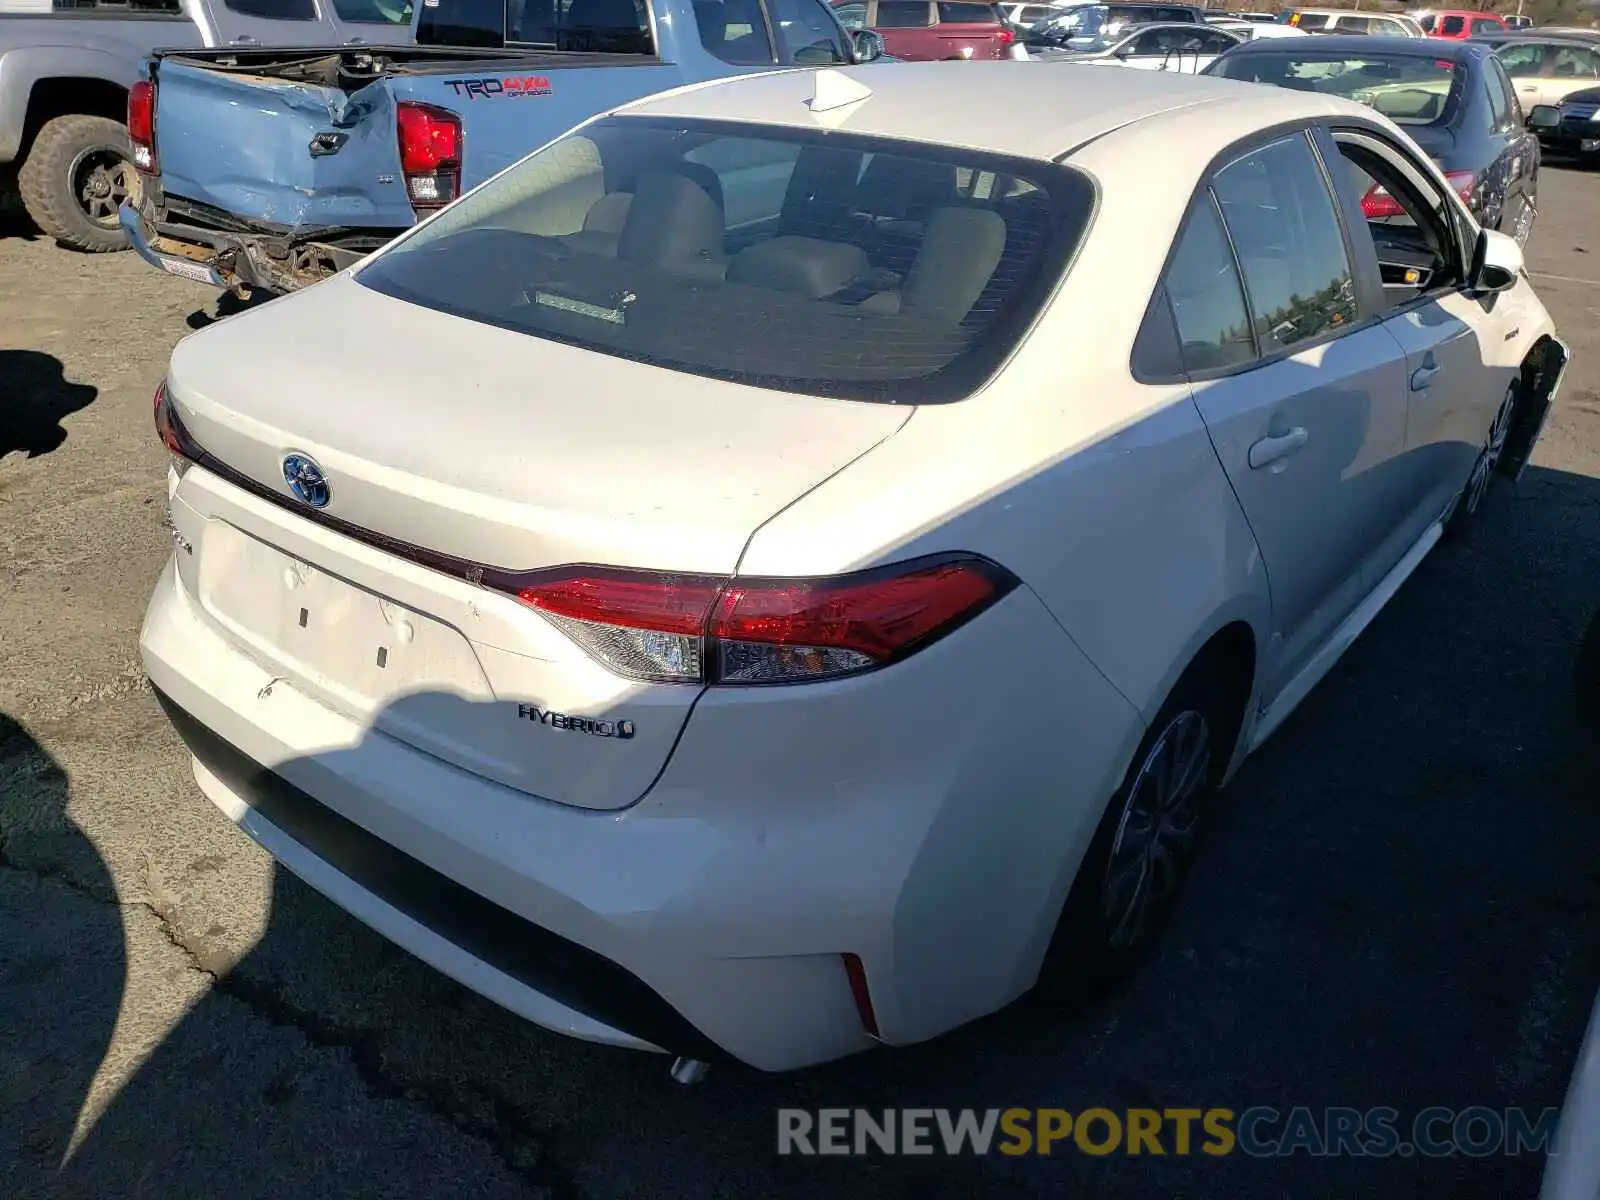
column 705, row 629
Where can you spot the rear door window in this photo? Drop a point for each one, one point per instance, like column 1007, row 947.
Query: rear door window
column 1207, row 298
column 1523, row 60
column 373, row 12
column 963, row 12
column 808, row 33
column 275, row 10
column 734, row 31
column 1481, row 26
column 1504, row 112
column 904, row 14
column 1453, row 26
column 811, row 261
column 1281, row 218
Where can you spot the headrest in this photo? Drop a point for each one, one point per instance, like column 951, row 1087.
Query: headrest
column 961, row 247
column 671, row 223
column 799, row 264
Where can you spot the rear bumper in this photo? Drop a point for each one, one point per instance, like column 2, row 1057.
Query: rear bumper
column 1570, row 142
column 935, row 839
column 268, row 259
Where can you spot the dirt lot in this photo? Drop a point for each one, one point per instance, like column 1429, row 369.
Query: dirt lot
column 1399, row 905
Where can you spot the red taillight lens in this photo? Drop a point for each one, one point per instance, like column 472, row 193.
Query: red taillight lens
column 171, row 431
column 857, row 974
column 430, row 153
column 1379, row 203
column 1007, row 36
column 697, row 628
column 142, row 124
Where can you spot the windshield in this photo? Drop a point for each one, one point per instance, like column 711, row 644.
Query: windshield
column 802, row 260
column 1408, row 89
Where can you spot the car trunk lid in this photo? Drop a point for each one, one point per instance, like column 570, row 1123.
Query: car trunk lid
column 449, row 444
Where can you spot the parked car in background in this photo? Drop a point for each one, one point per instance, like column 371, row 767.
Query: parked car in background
column 1021, row 16
column 1251, row 31
column 64, row 79
column 1453, row 99
column 930, row 30
column 632, row 728
column 1548, row 69
column 1571, row 128
column 1461, row 23
column 1515, row 22
column 1342, row 20
column 1185, row 48
column 271, row 170
column 1087, row 26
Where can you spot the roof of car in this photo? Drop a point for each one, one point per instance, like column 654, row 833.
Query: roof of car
column 973, row 104
column 1333, row 45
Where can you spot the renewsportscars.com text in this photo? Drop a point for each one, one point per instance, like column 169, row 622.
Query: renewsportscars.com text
column 1260, row 1132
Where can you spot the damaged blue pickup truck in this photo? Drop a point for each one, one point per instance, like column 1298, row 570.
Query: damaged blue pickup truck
column 271, row 169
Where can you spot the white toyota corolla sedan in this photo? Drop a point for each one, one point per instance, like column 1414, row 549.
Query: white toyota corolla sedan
column 786, row 566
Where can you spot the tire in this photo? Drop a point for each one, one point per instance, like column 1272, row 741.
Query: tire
column 1097, row 941
column 76, row 173
column 1588, row 675
column 1516, row 220
column 1486, row 467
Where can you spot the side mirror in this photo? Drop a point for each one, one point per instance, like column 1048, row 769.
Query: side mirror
column 1496, row 264
column 1544, row 116
column 868, row 45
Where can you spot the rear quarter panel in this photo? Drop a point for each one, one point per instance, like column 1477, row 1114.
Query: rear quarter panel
column 1103, row 494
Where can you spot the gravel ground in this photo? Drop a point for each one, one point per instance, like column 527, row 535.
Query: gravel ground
column 1397, row 907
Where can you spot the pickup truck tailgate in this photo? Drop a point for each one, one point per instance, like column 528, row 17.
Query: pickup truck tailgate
column 243, row 144
column 242, row 141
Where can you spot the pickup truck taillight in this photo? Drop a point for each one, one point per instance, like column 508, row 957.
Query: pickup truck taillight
column 142, row 124
column 430, row 153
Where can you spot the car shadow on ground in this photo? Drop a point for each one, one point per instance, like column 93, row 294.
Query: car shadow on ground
column 228, row 304
column 59, row 920
column 1397, row 907
column 14, row 219
column 35, row 396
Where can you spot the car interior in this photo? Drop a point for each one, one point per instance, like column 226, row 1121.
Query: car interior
column 1416, row 251
column 900, row 262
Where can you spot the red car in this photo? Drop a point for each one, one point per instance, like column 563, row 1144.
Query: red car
column 1459, row 24
column 925, row 30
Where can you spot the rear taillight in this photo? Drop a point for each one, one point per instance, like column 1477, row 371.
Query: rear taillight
column 1007, row 36
column 430, row 153
column 142, row 124
column 857, row 975
column 173, row 435
column 1379, row 203
column 707, row 629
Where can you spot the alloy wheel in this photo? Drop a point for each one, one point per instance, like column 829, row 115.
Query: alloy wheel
column 1489, row 457
column 1156, row 830
column 101, row 181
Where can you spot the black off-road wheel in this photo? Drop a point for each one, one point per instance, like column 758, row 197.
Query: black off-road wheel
column 77, row 174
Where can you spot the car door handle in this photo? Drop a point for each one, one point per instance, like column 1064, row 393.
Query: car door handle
column 244, row 39
column 1272, row 449
column 1422, row 377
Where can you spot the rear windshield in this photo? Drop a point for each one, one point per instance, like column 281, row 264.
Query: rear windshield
column 1408, row 89
column 807, row 261
column 608, row 26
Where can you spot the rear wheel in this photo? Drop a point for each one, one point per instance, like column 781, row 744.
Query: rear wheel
column 1487, row 465
column 1135, row 867
column 77, row 174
